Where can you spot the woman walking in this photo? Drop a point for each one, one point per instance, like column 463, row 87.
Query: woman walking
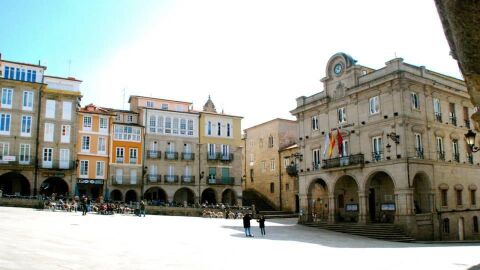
column 261, row 224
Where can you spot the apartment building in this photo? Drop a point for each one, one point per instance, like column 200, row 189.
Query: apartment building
column 387, row 145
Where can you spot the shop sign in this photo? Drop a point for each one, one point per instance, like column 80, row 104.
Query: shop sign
column 90, row 181
column 53, row 174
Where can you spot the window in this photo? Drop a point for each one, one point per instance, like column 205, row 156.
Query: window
column 446, row 225
column 252, row 157
column 272, row 165
column 452, row 115
column 164, row 107
column 22, row 74
column 171, row 172
column 473, row 198
column 27, row 101
column 345, row 148
column 127, row 133
column 47, row 157
column 475, row 224
column 229, row 130
column 226, row 150
column 100, row 169
column 48, row 132
column 264, row 166
column 187, row 171
column 219, row 129
column 4, row 149
column 437, row 110
column 440, row 148
column 260, row 143
column 286, row 162
column 272, row 187
column 209, row 128
column 7, row 94
column 65, row 135
column 85, row 143
column 415, row 100
column 29, row 75
column 212, row 173
column 251, row 175
column 152, row 122
column 84, row 168
column 67, row 110
column 87, row 123
column 190, row 127
column 341, row 115
column 50, row 109
column 120, row 154
column 150, row 104
column 64, row 158
column 175, row 126
column 418, row 145
column 444, row 197
column 374, row 106
column 119, row 176
column 466, row 117
column 377, row 148
column 5, row 123
column 34, row 76
column 270, row 141
column 211, row 150
column 102, row 147
column 168, row 125
column 133, row 155
column 459, row 197
column 129, row 118
column 24, row 153
column 6, row 73
column 103, row 125
column 26, row 129
column 316, row 159
column 183, row 126
column 160, row 125
column 314, row 123
column 118, row 117
column 455, row 151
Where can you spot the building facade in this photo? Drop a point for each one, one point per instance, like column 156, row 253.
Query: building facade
column 220, row 156
column 402, row 157
column 263, row 167
column 93, row 151
column 171, row 150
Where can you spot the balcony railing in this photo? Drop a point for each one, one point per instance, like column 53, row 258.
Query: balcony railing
column 153, row 154
column 170, row 179
column 467, row 124
column 221, row 181
column 16, row 160
column 225, row 156
column 292, row 170
column 119, row 159
column 470, row 158
column 154, row 178
column 170, row 155
column 57, row 164
column 456, row 157
column 453, row 120
column 357, row 159
column 211, row 156
column 118, row 180
column 133, row 160
column 441, row 155
column 419, row 152
column 188, row 179
column 377, row 156
column 438, row 117
column 188, row 156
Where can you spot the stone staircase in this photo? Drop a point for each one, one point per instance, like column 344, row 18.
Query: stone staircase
column 278, row 214
column 382, row 231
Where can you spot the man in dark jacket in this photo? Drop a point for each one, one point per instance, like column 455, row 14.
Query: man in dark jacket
column 261, row 223
column 246, row 225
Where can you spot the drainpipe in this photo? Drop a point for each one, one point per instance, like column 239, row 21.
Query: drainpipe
column 37, row 140
column 144, row 172
column 280, row 179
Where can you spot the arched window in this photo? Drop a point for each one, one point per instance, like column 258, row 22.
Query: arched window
column 446, row 225
column 270, row 141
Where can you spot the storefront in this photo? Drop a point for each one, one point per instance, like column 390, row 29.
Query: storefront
column 93, row 188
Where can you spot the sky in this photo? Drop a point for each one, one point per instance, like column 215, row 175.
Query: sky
column 253, row 57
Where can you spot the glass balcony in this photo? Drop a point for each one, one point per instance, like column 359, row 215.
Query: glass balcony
column 170, row 155
column 57, row 164
column 211, row 156
column 153, row 154
column 170, row 179
column 226, row 180
column 122, row 180
column 154, row 178
column 16, row 160
column 133, row 160
column 357, row 159
column 188, row 179
column 120, row 159
column 225, row 156
column 188, row 156
column 377, row 156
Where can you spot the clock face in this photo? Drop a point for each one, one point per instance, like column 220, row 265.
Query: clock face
column 338, row 68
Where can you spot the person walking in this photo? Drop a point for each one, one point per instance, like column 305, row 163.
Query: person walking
column 246, row 225
column 261, row 224
column 142, row 208
column 83, row 204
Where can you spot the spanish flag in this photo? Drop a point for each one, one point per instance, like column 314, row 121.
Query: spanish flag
column 331, row 145
column 340, row 143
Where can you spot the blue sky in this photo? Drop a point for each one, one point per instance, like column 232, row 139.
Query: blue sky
column 254, row 57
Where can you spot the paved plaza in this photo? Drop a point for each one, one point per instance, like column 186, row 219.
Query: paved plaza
column 33, row 239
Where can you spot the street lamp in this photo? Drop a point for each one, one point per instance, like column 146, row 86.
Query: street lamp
column 470, row 138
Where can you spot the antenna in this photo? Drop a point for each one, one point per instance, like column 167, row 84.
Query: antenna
column 123, row 103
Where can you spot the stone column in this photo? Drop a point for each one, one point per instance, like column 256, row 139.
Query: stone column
column 362, row 207
column 331, row 208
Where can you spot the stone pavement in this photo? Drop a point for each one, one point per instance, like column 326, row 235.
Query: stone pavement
column 33, row 239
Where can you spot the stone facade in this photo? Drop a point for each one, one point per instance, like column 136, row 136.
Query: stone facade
column 403, row 159
column 263, row 167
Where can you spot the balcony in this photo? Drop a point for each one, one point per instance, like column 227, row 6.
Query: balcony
column 153, row 154
column 117, row 180
column 357, row 159
column 154, row 178
column 292, row 170
column 57, row 164
column 227, row 180
column 188, row 180
column 170, row 179
column 438, row 117
column 16, row 160
column 453, row 120
column 225, row 156
column 441, row 155
column 170, row 155
column 211, row 156
column 456, row 157
column 188, row 156
column 120, row 160
column 419, row 152
column 377, row 156
column 470, row 158
column 467, row 124
column 133, row 160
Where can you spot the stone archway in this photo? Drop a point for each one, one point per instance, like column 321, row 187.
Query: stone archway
column 184, row 195
column 14, row 183
column 229, row 197
column 381, row 207
column 422, row 194
column 317, row 198
column 156, row 194
column 116, row 195
column 54, row 185
column 130, row 196
column 346, row 199
column 209, row 196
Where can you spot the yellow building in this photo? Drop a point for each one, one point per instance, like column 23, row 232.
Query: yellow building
column 93, row 150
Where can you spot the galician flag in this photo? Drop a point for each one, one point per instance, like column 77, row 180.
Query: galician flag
column 331, row 145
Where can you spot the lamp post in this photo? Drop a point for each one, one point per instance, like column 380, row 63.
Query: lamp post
column 470, row 138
